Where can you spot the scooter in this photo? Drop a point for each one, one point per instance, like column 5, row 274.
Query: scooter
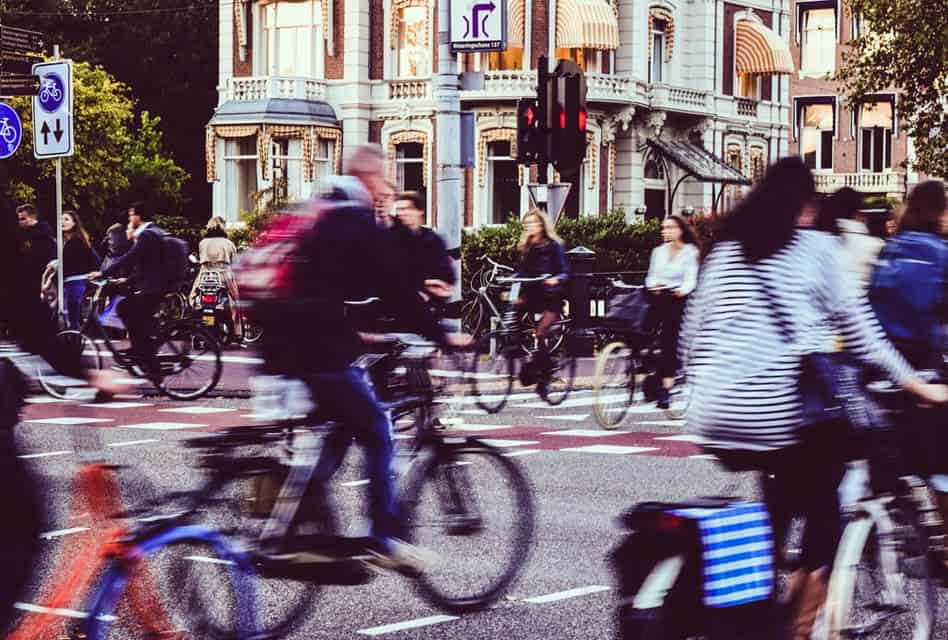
column 215, row 306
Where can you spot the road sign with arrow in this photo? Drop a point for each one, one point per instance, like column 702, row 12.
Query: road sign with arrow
column 52, row 110
column 479, row 25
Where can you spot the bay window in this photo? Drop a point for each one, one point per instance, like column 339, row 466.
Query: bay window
column 292, row 40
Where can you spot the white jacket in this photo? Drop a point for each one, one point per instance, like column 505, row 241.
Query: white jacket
column 860, row 249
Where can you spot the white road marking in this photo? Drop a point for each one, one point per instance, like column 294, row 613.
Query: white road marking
column 44, row 400
column 576, row 402
column 578, row 417
column 479, row 427
column 163, row 426
column 685, row 437
column 131, row 443
column 703, row 456
column 132, row 381
column 566, row 595
column 62, row 613
column 519, row 453
column 69, row 421
column 473, row 412
column 209, row 560
column 49, row 535
column 508, row 443
column 355, row 483
column 196, row 411
column 582, row 433
column 48, row 454
column 408, row 624
column 119, row 405
column 609, row 448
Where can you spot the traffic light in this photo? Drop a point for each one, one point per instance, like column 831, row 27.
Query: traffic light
column 567, row 136
column 530, row 135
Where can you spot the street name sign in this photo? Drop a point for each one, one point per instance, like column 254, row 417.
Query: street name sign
column 52, row 110
column 479, row 25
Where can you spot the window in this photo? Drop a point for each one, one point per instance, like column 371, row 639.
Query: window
column 504, row 183
column 409, row 166
column 748, row 85
column 818, row 46
column 654, row 169
column 323, row 160
column 758, row 163
column 292, row 41
column 589, row 60
column 816, row 136
column 287, row 157
column 240, row 159
column 509, row 60
column 414, row 54
column 656, row 72
column 875, row 136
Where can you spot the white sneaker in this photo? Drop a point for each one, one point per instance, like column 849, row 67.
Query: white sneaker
column 402, row 556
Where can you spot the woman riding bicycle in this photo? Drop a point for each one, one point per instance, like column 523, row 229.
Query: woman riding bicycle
column 542, row 254
column 216, row 253
column 768, row 294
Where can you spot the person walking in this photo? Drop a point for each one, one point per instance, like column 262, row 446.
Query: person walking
column 37, row 247
column 216, row 254
column 840, row 215
column 768, row 294
column 79, row 259
column 672, row 276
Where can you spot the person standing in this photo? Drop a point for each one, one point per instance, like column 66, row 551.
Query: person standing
column 672, row 276
column 79, row 259
column 37, row 246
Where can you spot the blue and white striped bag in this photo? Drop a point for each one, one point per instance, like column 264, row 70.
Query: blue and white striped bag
column 737, row 552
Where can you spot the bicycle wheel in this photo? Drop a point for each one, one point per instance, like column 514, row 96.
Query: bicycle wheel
column 881, row 585
column 613, row 385
column 473, row 508
column 493, row 375
column 90, row 357
column 159, row 592
column 190, row 360
column 555, row 336
column 472, row 318
column 562, row 374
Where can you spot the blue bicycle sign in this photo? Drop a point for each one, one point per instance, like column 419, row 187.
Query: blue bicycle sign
column 51, row 92
column 11, row 131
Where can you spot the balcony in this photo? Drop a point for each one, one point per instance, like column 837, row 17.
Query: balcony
column 746, row 107
column 606, row 87
column 505, row 85
column 409, row 89
column 254, row 88
column 887, row 182
column 668, row 98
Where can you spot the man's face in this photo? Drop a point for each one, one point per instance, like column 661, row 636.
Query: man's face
column 410, row 215
column 25, row 220
column 134, row 220
column 383, row 205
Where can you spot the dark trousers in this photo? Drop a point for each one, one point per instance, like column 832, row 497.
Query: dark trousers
column 137, row 311
column 665, row 316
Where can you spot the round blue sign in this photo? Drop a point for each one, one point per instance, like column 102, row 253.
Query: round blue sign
column 11, row 131
column 52, row 92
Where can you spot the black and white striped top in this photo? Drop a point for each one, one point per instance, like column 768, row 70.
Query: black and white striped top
column 745, row 371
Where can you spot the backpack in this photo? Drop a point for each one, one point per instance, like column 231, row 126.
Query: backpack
column 629, row 310
column 175, row 262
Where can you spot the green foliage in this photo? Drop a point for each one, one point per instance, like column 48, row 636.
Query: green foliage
column 905, row 48
column 254, row 224
column 181, row 227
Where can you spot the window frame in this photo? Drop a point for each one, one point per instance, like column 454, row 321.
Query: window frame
column 888, row 142
column 401, row 161
column 802, row 9
column 657, row 58
column 266, row 62
column 232, row 165
column 396, row 57
column 491, row 158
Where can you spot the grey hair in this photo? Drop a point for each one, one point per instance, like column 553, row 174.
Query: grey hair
column 364, row 158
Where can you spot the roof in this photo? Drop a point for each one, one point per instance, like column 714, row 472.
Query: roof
column 699, row 162
column 275, row 111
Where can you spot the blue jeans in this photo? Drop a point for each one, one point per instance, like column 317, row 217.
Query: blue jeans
column 347, row 396
column 73, row 292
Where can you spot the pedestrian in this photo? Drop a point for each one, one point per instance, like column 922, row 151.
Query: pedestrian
column 672, row 276
column 115, row 244
column 36, row 245
column 425, row 256
column 768, row 294
column 79, row 259
column 216, row 253
column 840, row 215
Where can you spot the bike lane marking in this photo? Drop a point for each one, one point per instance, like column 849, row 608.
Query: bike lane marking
column 404, row 626
column 49, row 535
column 48, row 454
column 566, row 595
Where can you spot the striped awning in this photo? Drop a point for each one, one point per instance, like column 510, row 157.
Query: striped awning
column 586, row 24
column 515, row 24
column 759, row 50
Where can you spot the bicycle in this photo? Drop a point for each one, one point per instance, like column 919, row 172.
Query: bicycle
column 50, row 91
column 498, row 350
column 182, row 348
column 266, row 476
column 7, row 132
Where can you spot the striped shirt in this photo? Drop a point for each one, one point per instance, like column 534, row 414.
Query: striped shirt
column 744, row 369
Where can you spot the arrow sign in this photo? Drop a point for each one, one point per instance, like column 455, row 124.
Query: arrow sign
column 45, row 131
column 52, row 110
column 477, row 22
column 59, row 131
column 479, row 25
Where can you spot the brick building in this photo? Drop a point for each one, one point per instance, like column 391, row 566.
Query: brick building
column 676, row 88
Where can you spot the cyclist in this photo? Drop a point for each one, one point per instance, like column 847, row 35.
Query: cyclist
column 425, row 256
column 769, row 293
column 907, row 292
column 145, row 261
column 216, row 253
column 541, row 252
column 345, row 257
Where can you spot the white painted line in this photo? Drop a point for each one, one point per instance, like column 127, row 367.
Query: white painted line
column 355, row 483
column 566, row 595
column 579, row 417
column 479, row 427
column 62, row 613
column 131, row 443
column 44, row 400
column 517, row 453
column 132, row 381
column 685, row 437
column 508, row 443
column 236, row 359
column 49, row 535
column 578, row 402
column 408, row 624
column 68, row 421
column 660, row 423
column 163, row 426
column 197, row 411
column 119, row 405
column 609, row 448
column 582, row 433
column 473, row 412
column 703, row 456
column 209, row 560
column 404, row 436
column 48, row 454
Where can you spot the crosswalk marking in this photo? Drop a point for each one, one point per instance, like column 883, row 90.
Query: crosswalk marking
column 609, row 448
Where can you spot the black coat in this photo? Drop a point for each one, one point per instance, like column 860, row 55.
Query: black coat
column 78, row 258
column 37, row 248
column 145, row 262
column 545, row 259
column 115, row 245
column 423, row 255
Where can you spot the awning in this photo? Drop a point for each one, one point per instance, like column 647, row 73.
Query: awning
column 698, row 162
column 586, row 24
column 759, row 50
column 275, row 111
column 515, row 24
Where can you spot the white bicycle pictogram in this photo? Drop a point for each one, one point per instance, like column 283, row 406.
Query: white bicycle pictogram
column 7, row 131
column 50, row 91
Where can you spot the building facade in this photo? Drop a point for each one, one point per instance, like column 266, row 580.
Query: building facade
column 676, row 88
column 859, row 146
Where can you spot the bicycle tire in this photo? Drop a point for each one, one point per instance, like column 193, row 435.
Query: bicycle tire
column 560, row 384
column 492, row 377
column 154, row 592
column 181, row 348
column 472, row 318
column 613, row 385
column 555, row 338
column 59, row 386
column 476, row 586
column 887, row 548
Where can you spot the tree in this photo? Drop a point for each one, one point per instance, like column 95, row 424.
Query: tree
column 118, row 155
column 905, row 47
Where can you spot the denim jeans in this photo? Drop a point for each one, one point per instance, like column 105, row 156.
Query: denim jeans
column 347, row 396
column 73, row 292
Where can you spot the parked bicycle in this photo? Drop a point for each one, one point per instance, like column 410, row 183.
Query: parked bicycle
column 189, row 357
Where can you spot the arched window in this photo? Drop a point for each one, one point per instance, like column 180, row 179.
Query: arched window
column 654, row 169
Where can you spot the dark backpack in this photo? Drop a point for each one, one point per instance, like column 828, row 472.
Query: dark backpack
column 175, row 263
column 628, row 309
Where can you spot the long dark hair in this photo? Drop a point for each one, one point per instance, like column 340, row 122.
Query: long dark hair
column 924, row 208
column 79, row 231
column 765, row 221
column 842, row 205
column 688, row 235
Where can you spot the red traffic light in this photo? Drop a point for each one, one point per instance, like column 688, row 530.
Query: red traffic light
column 582, row 120
column 530, row 116
column 562, row 119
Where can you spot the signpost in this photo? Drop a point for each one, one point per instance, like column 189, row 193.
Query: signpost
column 479, row 25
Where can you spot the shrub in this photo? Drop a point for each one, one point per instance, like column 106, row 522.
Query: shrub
column 181, row 227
